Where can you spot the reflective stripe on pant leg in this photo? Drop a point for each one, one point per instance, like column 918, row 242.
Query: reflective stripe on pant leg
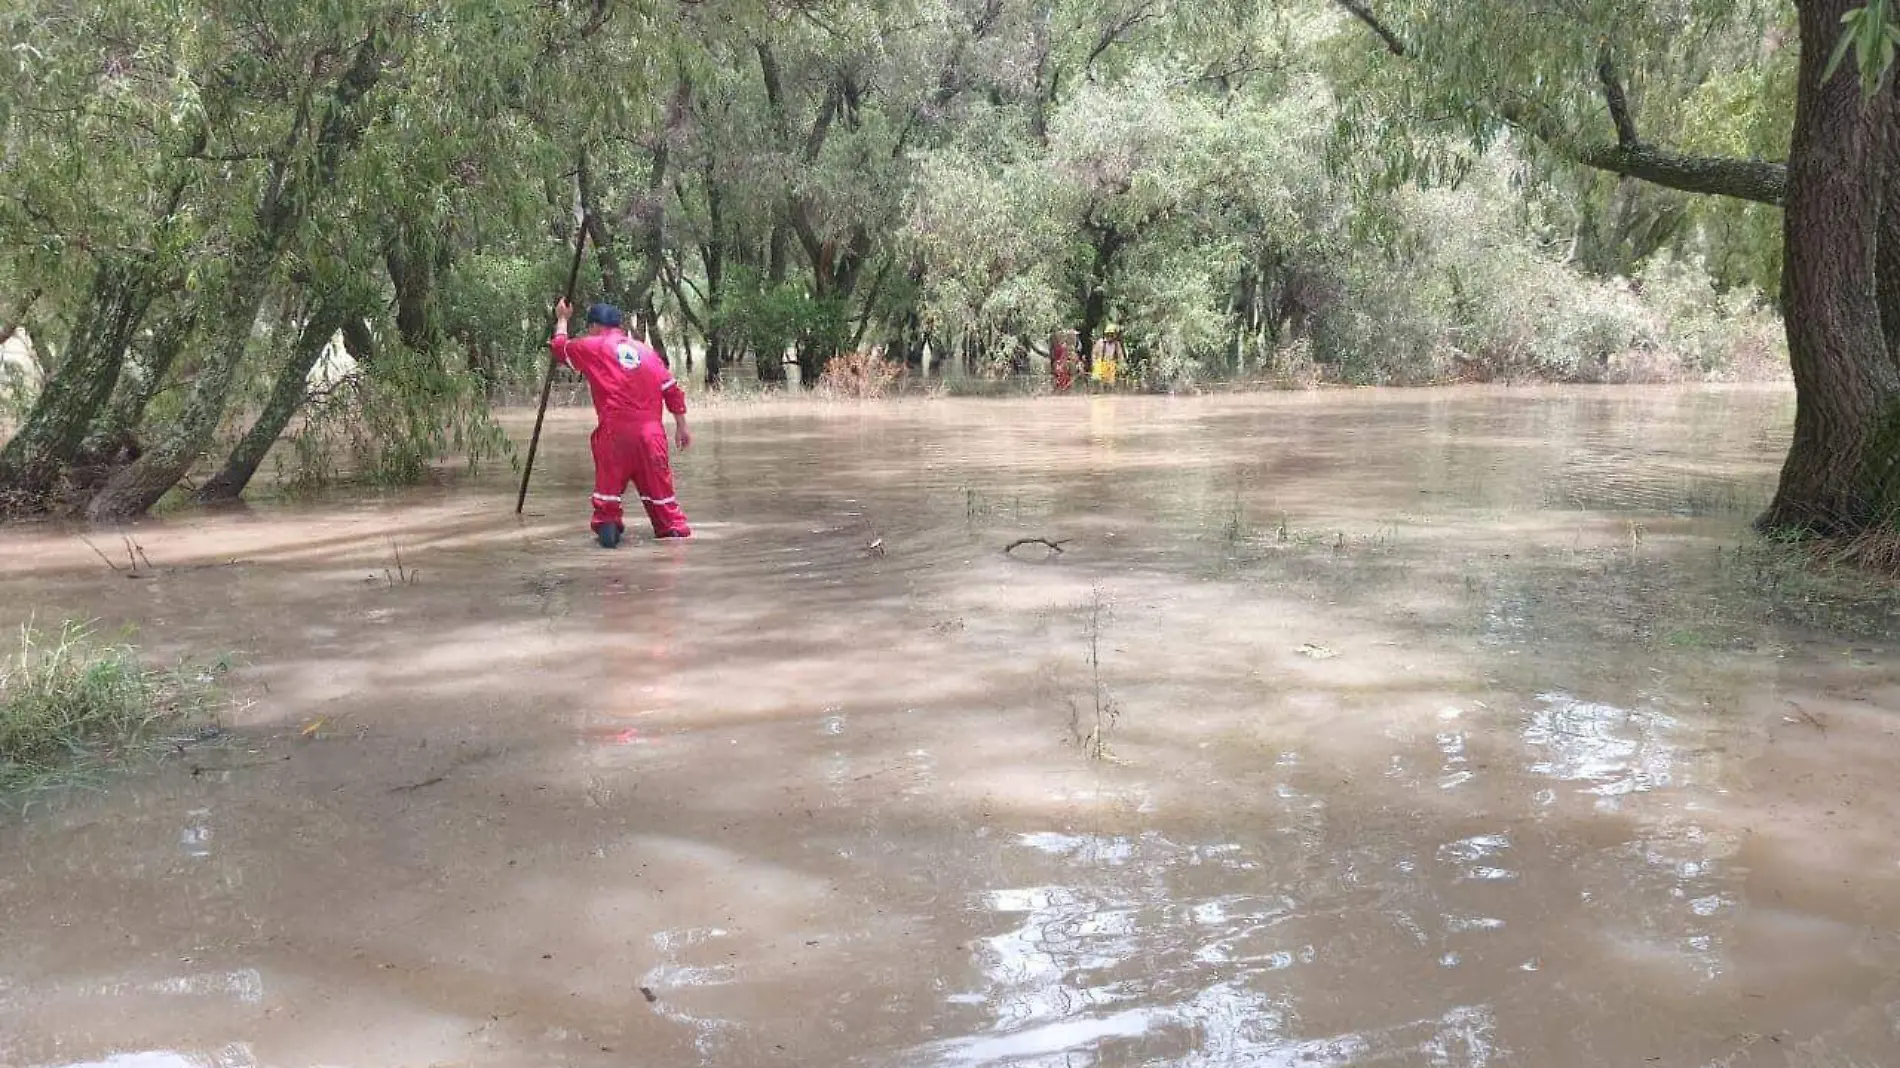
column 610, row 478
column 654, row 478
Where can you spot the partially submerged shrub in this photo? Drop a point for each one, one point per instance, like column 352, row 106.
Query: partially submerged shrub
column 71, row 703
column 390, row 426
column 860, row 375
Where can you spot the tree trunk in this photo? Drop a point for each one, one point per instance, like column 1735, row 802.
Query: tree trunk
column 1845, row 383
column 286, row 201
column 34, row 459
column 813, row 354
column 715, row 358
column 135, row 489
column 287, row 397
column 777, row 253
column 482, row 363
column 410, row 256
column 713, row 255
column 1107, row 243
column 1887, row 261
column 770, row 365
column 1047, row 73
column 359, row 341
column 138, row 384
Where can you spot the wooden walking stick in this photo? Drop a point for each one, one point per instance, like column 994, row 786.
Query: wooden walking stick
column 547, row 381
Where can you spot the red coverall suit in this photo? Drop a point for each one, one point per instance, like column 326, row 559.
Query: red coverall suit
column 630, row 386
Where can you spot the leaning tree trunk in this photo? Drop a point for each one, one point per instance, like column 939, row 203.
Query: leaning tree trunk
column 35, row 458
column 115, row 429
column 1845, row 383
column 282, row 208
column 286, row 399
column 135, row 489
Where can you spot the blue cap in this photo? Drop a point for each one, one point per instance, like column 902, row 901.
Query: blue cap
column 603, row 315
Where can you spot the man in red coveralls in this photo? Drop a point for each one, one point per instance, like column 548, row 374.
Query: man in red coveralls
column 630, row 387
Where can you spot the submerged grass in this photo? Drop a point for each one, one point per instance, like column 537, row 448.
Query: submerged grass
column 72, row 705
column 1825, row 585
column 1875, row 550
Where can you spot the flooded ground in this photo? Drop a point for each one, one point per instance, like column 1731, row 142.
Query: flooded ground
column 1382, row 728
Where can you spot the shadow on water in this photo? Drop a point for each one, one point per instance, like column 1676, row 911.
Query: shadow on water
column 1441, row 737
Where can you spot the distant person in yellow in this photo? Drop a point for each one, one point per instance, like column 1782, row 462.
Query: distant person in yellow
column 1106, row 358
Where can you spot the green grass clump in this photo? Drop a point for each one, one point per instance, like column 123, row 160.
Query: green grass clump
column 72, row 705
column 1815, row 584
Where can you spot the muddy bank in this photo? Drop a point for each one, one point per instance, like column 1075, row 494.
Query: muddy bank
column 1428, row 734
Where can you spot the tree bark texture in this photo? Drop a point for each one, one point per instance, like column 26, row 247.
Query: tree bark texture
column 415, row 260
column 294, row 186
column 1887, row 258
column 35, row 458
column 1845, row 381
column 117, row 426
column 287, row 397
column 135, row 489
column 1107, row 243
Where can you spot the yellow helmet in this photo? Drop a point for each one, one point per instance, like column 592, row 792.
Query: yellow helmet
column 1114, row 330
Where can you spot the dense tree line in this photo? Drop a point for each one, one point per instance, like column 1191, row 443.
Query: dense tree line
column 197, row 197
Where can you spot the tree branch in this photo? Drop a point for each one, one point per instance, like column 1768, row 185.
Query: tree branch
column 1756, row 180
column 950, row 79
column 673, row 277
column 1617, row 100
column 1364, row 14
column 1112, row 34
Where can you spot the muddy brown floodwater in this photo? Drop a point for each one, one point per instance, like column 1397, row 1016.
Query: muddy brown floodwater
column 1381, row 728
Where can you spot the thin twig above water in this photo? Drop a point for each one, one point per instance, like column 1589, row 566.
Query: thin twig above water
column 1053, row 546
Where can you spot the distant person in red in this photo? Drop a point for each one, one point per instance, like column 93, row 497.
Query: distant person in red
column 631, row 388
column 1062, row 361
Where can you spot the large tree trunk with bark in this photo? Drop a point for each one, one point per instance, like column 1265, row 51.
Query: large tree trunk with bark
column 35, row 458
column 287, row 397
column 1845, row 382
column 1887, row 260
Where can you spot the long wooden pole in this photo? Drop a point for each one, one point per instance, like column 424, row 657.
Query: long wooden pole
column 547, row 381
